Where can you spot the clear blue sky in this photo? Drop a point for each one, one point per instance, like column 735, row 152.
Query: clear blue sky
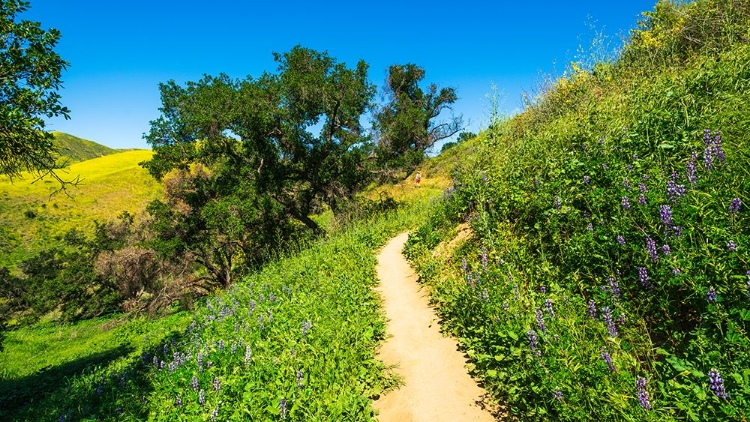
column 120, row 50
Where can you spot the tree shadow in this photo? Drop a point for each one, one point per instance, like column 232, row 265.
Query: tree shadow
column 21, row 393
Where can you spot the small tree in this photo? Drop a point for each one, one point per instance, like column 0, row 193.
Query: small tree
column 406, row 125
column 30, row 73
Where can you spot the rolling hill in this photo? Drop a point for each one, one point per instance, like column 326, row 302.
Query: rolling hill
column 35, row 217
column 73, row 149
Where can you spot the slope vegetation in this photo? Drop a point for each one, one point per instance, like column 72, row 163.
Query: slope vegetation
column 607, row 274
column 35, row 218
column 73, row 149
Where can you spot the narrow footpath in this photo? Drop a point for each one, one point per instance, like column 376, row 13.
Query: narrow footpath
column 437, row 386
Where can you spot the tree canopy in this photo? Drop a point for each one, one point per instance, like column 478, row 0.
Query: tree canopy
column 406, row 125
column 272, row 150
column 30, row 73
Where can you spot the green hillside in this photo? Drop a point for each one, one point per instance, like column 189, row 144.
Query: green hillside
column 606, row 277
column 73, row 149
column 34, row 219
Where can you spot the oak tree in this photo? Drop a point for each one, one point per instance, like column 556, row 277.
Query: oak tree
column 30, row 73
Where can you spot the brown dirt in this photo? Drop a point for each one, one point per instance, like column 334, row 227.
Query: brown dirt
column 436, row 386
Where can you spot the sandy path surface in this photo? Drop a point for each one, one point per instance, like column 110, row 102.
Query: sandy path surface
column 437, row 386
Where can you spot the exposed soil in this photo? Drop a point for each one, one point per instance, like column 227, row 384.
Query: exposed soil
column 436, row 386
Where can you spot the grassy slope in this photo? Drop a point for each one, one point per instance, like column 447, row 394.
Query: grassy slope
column 73, row 149
column 328, row 284
column 109, row 185
column 587, row 143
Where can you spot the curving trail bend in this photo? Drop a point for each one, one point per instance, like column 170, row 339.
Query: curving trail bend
column 437, row 385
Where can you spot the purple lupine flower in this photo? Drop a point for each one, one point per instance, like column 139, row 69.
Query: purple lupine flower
column 642, row 187
column 300, row 377
column 171, row 367
column 533, row 342
column 665, row 214
column 221, row 345
column 557, row 203
column 282, row 408
column 643, row 396
column 676, row 271
column 620, row 239
column 177, row 401
column 557, row 394
column 540, row 320
column 484, row 295
column 200, row 361
column 629, row 168
column 195, row 383
column 665, row 249
column 734, row 207
column 626, row 183
column 586, row 180
column 635, row 157
column 641, row 199
column 690, row 169
column 516, row 292
column 607, row 358
column 214, row 414
column 643, row 277
column 707, row 137
column 718, row 149
column 711, row 295
column 543, row 289
column 463, row 264
column 605, row 166
column 470, row 279
column 548, row 307
column 201, row 397
column 607, row 317
column 625, row 203
column 248, row 353
column 614, row 287
column 677, row 231
column 484, row 259
column 716, row 384
column 592, row 309
column 217, row 384
column 731, row 246
column 651, row 248
column 484, row 178
column 306, row 326
column 644, row 177
column 233, row 348
column 708, row 157
column 590, row 227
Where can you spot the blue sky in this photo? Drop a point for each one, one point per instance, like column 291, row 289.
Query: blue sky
column 119, row 51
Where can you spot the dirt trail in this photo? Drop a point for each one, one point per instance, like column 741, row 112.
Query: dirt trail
column 437, row 386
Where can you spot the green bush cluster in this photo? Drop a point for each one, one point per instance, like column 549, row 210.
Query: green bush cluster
column 607, row 278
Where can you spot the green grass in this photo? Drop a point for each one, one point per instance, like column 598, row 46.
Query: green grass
column 34, row 219
column 529, row 294
column 94, row 369
column 73, row 149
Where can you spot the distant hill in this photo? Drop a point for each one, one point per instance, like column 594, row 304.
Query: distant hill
column 32, row 220
column 73, row 149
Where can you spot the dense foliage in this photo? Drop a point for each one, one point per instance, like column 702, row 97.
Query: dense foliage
column 406, row 127
column 30, row 72
column 607, row 278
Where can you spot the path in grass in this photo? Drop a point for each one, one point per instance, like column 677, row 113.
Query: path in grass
column 436, row 386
